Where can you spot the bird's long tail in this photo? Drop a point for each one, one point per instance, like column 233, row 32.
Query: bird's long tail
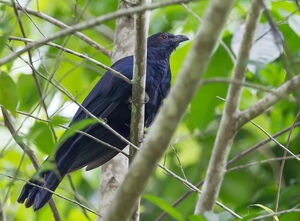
column 38, row 196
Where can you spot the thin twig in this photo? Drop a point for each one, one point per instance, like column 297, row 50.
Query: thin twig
column 77, row 131
column 30, row 154
column 89, row 24
column 117, row 73
column 69, row 95
column 179, row 162
column 273, row 139
column 52, row 192
column 227, row 49
column 283, row 162
column 230, row 162
column 37, row 83
column 76, row 196
column 195, row 189
column 275, row 214
column 63, row 25
column 228, row 126
column 243, row 166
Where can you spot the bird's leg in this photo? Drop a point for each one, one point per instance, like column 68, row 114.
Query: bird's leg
column 146, row 99
column 142, row 140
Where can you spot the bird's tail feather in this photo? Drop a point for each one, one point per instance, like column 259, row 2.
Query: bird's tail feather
column 37, row 196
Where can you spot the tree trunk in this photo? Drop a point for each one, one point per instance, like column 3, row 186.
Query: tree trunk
column 114, row 171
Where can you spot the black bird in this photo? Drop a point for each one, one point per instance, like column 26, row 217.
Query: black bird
column 109, row 99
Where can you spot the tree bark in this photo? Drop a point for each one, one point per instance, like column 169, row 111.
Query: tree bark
column 170, row 114
column 114, row 171
column 228, row 126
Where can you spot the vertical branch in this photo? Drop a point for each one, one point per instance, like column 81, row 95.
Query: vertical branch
column 139, row 85
column 113, row 172
column 283, row 162
column 30, row 154
column 228, row 126
column 171, row 112
column 36, row 80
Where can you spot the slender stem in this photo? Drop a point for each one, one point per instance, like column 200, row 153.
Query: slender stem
column 283, row 162
column 89, row 24
column 138, row 96
column 234, row 159
column 60, row 24
column 228, row 126
column 30, row 154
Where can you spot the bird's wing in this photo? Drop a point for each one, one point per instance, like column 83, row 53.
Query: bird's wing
column 102, row 100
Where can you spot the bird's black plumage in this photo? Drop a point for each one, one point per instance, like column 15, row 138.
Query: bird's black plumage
column 109, row 99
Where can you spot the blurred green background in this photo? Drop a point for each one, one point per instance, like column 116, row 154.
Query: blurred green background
column 194, row 138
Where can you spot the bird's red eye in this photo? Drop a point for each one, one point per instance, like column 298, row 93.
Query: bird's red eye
column 163, row 37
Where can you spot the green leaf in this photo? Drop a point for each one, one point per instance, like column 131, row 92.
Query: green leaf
column 294, row 23
column 196, row 218
column 41, row 135
column 27, row 91
column 164, row 206
column 57, row 120
column 8, row 92
column 75, row 127
column 202, row 108
column 5, row 32
column 270, row 211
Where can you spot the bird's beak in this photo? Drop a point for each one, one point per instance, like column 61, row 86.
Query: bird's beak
column 181, row 38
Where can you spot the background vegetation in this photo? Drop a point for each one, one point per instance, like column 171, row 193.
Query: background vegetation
column 191, row 146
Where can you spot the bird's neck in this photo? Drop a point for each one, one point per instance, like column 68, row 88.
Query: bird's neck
column 158, row 53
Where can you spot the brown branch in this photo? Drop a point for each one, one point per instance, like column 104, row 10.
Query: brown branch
column 283, row 162
column 273, row 139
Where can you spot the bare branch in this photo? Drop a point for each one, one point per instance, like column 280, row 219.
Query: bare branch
column 51, row 191
column 227, row 49
column 62, row 25
column 243, row 166
column 113, row 172
column 227, row 129
column 283, row 162
column 138, row 96
column 30, row 154
column 266, row 102
column 293, row 210
column 77, row 131
column 89, row 24
column 172, row 110
column 117, row 73
column 37, row 83
column 273, row 139
column 195, row 189
column 234, row 159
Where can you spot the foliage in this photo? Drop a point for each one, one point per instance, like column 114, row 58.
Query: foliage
column 194, row 138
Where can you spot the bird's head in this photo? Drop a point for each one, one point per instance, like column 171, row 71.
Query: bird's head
column 165, row 42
